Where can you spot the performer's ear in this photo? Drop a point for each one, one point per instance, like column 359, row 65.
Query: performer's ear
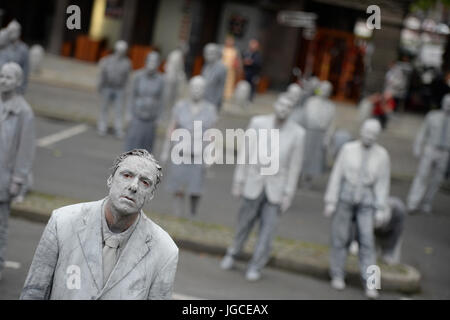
column 109, row 181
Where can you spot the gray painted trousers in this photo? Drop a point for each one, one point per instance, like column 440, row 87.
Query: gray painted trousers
column 250, row 212
column 115, row 96
column 4, row 216
column 429, row 176
column 341, row 235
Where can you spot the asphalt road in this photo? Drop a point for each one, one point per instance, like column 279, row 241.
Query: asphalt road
column 198, row 275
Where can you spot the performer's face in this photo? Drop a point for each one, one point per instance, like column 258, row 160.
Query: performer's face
column 210, row 53
column 283, row 108
column 197, row 88
column 8, row 80
column 152, row 63
column 132, row 185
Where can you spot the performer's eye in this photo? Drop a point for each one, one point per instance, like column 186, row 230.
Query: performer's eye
column 127, row 175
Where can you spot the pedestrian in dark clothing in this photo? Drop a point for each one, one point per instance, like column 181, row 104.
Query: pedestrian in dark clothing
column 252, row 65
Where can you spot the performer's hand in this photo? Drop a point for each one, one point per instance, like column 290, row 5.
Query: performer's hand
column 380, row 218
column 236, row 190
column 14, row 189
column 285, row 204
column 329, row 210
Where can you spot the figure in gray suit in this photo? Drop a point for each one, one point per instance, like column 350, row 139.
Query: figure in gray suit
column 265, row 197
column 145, row 105
column 17, row 146
column 107, row 249
column 357, row 190
column 215, row 74
column 114, row 73
column 18, row 52
column 432, row 146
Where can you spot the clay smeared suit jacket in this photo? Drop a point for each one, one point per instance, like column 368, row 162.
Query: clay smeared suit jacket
column 283, row 183
column 71, row 246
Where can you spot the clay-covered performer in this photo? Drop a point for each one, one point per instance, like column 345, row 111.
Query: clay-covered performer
column 146, row 105
column 295, row 92
column 310, row 86
column 4, row 51
column 389, row 228
column 215, row 74
column 318, row 120
column 357, row 190
column 174, row 77
column 187, row 177
column 114, row 73
column 114, row 249
column 265, row 196
column 18, row 52
column 432, row 145
column 17, row 145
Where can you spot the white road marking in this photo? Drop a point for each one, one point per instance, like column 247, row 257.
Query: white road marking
column 12, row 264
column 65, row 134
column 179, row 296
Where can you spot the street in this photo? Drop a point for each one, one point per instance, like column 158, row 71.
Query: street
column 75, row 163
column 198, row 275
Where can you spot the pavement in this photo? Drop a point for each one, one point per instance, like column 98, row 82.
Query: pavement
column 60, row 77
column 197, row 277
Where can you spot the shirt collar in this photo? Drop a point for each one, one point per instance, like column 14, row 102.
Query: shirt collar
column 123, row 236
column 11, row 106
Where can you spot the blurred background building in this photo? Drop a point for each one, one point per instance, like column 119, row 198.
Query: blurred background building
column 327, row 38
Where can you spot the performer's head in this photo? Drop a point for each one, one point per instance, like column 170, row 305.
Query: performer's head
column 11, row 77
column 197, row 86
column 14, row 30
column 370, row 130
column 294, row 91
column 121, row 48
column 152, row 62
column 211, row 52
column 134, row 178
column 325, row 89
column 283, row 106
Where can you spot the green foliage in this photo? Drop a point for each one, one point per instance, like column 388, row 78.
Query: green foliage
column 427, row 4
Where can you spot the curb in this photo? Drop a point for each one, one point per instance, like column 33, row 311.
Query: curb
column 289, row 255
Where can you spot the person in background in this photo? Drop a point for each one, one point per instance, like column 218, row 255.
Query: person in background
column 187, row 177
column 252, row 62
column 357, row 192
column 382, row 107
column 231, row 60
column 265, row 197
column 146, row 105
column 214, row 72
column 17, row 145
column 114, row 73
column 432, row 146
column 18, row 52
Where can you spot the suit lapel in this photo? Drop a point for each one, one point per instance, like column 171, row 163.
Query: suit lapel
column 136, row 248
column 89, row 235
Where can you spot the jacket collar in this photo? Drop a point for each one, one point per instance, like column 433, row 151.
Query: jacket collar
column 90, row 238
